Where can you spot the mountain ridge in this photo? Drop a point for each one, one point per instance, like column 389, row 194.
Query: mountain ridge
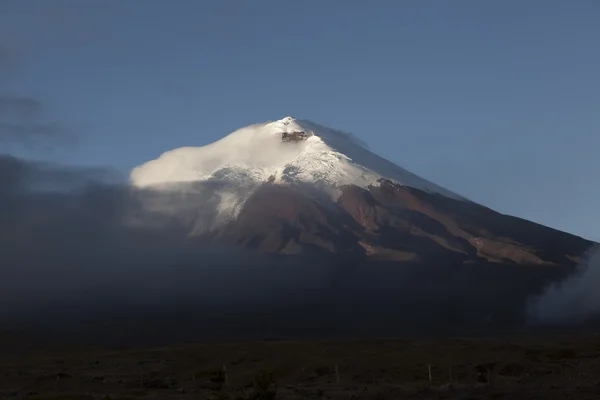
column 293, row 186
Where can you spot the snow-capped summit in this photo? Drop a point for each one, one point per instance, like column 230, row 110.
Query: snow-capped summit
column 284, row 151
column 293, row 186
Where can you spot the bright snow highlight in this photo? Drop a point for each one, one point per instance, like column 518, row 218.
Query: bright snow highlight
column 257, row 154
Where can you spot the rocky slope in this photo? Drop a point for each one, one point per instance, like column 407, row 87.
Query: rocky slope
column 391, row 222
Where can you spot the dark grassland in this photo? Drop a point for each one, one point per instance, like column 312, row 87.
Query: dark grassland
column 528, row 368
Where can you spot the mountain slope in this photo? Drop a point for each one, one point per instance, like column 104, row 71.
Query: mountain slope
column 293, row 186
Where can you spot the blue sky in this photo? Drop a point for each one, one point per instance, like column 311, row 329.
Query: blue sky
column 498, row 101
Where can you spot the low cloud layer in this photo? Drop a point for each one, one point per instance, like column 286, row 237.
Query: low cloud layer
column 574, row 300
column 76, row 235
column 81, row 250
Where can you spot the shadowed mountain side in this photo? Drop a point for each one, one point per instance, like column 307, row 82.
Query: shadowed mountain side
column 345, row 301
column 548, row 244
column 395, row 223
column 288, row 220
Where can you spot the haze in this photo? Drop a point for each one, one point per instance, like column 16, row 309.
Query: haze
column 496, row 102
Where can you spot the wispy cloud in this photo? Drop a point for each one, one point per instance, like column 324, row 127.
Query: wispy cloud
column 19, row 106
column 23, row 119
column 576, row 299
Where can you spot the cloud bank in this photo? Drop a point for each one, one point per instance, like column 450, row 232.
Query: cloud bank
column 573, row 300
column 78, row 234
column 82, row 253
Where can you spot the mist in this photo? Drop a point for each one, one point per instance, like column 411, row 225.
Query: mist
column 575, row 300
column 83, row 251
column 75, row 240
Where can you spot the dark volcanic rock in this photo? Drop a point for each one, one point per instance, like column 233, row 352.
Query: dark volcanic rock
column 396, row 223
column 294, row 136
column 285, row 219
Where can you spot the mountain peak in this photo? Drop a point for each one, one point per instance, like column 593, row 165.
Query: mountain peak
column 286, row 122
column 287, row 119
column 290, row 129
column 293, row 185
column 287, row 151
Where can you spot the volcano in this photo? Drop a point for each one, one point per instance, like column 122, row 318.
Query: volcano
column 295, row 187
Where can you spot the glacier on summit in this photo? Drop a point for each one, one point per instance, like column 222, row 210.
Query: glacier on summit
column 286, row 151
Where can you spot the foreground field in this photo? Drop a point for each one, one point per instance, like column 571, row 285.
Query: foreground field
column 534, row 368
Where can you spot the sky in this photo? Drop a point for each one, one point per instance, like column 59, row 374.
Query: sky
column 498, row 101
